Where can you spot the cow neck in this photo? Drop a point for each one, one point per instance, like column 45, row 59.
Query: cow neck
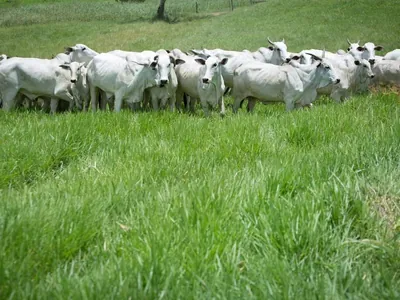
column 359, row 77
column 309, row 79
column 216, row 82
column 135, row 78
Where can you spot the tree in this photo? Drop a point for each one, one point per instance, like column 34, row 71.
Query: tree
column 160, row 10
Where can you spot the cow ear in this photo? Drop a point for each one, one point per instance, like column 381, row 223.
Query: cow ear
column 378, row 48
column 359, row 48
column 356, row 62
column 200, row 61
column 153, row 64
column 172, row 60
column 224, row 61
column 65, row 66
column 270, row 48
column 81, row 65
column 179, row 61
column 168, row 51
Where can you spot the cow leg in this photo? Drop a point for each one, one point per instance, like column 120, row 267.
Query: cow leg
column 94, row 94
column 103, row 99
column 86, row 102
column 222, row 113
column 335, row 95
column 53, row 105
column 118, row 102
column 77, row 97
column 46, row 105
column 172, row 101
column 205, row 106
column 178, row 99
column 154, row 103
column 192, row 104
column 236, row 103
column 8, row 96
column 250, row 104
column 289, row 105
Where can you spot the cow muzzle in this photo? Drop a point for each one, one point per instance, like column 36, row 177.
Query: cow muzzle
column 337, row 81
column 287, row 60
column 371, row 61
column 206, row 80
column 372, row 76
column 73, row 80
column 163, row 82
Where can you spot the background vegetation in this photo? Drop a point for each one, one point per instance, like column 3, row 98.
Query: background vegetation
column 274, row 205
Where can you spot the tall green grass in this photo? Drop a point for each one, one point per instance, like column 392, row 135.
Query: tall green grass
column 158, row 204
column 273, row 205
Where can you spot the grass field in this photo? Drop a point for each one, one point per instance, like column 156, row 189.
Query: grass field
column 273, row 205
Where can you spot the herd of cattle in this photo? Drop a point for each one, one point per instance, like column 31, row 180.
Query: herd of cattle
column 164, row 78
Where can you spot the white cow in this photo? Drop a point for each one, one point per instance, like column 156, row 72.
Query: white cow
column 353, row 79
column 123, row 78
column 200, row 78
column 275, row 54
column 80, row 89
column 364, row 52
column 160, row 95
column 288, row 83
column 392, row 55
column 387, row 72
column 80, row 53
column 36, row 77
column 165, row 69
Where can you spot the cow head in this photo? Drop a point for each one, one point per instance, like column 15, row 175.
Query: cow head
column 325, row 71
column 369, row 52
column 365, row 68
column 163, row 65
column 279, row 52
column 303, row 58
column 355, row 50
column 80, row 53
column 74, row 69
column 212, row 65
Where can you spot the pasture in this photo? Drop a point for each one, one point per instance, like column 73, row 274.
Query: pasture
column 269, row 205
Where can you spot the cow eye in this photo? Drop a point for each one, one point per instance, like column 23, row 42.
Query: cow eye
column 328, row 67
column 83, row 49
column 278, row 49
column 348, row 49
column 214, row 65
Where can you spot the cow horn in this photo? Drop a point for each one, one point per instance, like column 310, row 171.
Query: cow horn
column 269, row 41
column 348, row 42
column 315, row 56
column 358, row 42
column 197, row 52
column 323, row 53
column 200, row 54
column 68, row 50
